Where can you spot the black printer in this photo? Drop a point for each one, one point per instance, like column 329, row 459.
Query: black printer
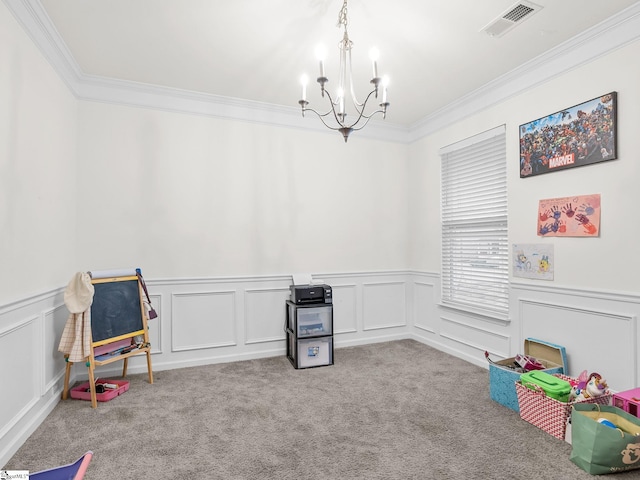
column 305, row 294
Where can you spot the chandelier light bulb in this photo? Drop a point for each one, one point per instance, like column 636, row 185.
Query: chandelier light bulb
column 340, row 95
column 321, row 55
column 304, row 80
column 385, row 84
column 374, row 54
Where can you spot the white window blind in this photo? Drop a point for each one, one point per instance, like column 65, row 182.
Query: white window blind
column 475, row 256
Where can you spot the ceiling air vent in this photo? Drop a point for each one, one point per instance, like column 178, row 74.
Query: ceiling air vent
column 511, row 17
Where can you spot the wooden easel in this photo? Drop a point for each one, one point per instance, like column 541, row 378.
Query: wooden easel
column 123, row 330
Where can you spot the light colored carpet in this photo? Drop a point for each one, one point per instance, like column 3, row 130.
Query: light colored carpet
column 395, row 410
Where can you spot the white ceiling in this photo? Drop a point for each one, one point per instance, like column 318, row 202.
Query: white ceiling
column 434, row 52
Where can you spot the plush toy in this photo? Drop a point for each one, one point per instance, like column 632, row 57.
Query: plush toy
column 588, row 386
column 596, row 386
column 578, row 385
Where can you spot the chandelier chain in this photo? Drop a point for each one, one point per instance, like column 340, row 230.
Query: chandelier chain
column 342, row 16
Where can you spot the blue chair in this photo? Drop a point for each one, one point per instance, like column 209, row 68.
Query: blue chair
column 73, row 471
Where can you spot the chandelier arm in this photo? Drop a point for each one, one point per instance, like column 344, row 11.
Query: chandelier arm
column 381, row 110
column 321, row 117
column 333, row 109
column 367, row 118
column 353, row 126
column 361, row 112
column 342, row 124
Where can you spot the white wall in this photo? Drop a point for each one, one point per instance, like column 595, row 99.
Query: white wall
column 183, row 195
column 38, row 232
column 605, row 263
column 38, row 192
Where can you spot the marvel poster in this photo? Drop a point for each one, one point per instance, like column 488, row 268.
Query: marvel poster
column 573, row 137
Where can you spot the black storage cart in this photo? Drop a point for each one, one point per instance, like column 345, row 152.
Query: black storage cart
column 309, row 330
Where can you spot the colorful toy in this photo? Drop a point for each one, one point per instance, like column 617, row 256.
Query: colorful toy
column 606, row 422
column 527, row 362
column 629, row 401
column 588, row 386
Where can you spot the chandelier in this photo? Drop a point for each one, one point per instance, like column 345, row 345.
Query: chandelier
column 336, row 117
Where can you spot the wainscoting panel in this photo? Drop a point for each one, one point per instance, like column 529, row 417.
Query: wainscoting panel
column 32, row 370
column 265, row 314
column 471, row 336
column 202, row 320
column 53, row 361
column 20, row 375
column 155, row 325
column 384, row 305
column 425, row 315
column 607, row 338
column 345, row 309
column 458, row 333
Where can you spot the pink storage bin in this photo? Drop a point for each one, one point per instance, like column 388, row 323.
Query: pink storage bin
column 80, row 392
column 629, row 401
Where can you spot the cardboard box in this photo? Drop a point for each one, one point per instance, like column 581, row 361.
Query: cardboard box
column 80, row 392
column 502, row 380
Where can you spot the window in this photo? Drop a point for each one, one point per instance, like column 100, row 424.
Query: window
column 475, row 255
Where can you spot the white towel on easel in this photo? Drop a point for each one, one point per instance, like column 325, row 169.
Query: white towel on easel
column 76, row 336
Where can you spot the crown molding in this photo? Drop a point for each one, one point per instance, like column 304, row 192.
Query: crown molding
column 38, row 26
column 123, row 92
column 615, row 32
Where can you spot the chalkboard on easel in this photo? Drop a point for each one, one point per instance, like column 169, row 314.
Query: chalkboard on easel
column 117, row 311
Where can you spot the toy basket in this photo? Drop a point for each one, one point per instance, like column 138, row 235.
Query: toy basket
column 548, row 413
column 502, row 379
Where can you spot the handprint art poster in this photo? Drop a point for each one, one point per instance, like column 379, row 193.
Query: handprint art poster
column 577, row 216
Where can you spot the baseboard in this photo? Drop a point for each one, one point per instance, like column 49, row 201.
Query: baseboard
column 451, row 351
